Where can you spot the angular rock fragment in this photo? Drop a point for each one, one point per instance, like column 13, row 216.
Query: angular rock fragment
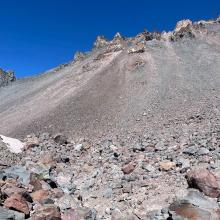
column 46, row 212
column 18, row 203
column 128, row 168
column 6, row 214
column 204, row 180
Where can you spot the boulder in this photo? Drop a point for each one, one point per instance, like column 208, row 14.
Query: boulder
column 18, row 203
column 6, row 214
column 19, row 172
column 204, row 180
column 46, row 212
column 194, row 206
column 40, row 195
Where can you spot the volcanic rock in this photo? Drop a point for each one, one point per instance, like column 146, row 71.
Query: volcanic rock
column 205, row 181
column 18, row 203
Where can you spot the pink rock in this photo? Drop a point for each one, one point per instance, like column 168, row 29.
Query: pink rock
column 205, row 181
column 18, row 203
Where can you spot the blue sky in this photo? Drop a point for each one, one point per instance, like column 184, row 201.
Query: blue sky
column 36, row 35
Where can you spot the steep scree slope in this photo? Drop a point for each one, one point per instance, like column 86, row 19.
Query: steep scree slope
column 122, row 86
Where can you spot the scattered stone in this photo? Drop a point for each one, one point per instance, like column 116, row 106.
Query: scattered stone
column 184, row 164
column 148, row 167
column 86, row 213
column 18, row 203
column 47, row 212
column 160, row 146
column 6, row 214
column 67, row 202
column 40, row 195
column 128, row 168
column 167, row 165
column 31, row 141
column 19, row 172
column 202, row 151
column 190, row 151
column 65, row 182
column 61, row 139
column 70, row 214
column 78, row 147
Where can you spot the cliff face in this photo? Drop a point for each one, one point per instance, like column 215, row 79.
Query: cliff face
column 122, row 86
column 6, row 77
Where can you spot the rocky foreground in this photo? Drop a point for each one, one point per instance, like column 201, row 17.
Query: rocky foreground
column 174, row 175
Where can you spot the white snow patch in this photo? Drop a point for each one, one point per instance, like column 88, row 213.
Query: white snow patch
column 14, row 145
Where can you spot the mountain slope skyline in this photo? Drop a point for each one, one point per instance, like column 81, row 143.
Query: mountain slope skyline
column 39, row 36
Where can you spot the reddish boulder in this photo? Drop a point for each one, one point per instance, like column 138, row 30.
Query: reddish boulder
column 205, row 181
column 18, row 203
column 40, row 195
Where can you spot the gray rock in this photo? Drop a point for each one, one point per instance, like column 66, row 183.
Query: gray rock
column 60, row 139
column 190, row 150
column 19, row 172
column 67, row 202
column 194, row 204
column 65, row 182
column 183, row 163
column 202, row 151
column 78, row 147
column 89, row 184
column 160, row 146
column 87, row 213
column 6, row 214
column 148, row 167
column 198, row 199
column 42, row 170
column 108, row 193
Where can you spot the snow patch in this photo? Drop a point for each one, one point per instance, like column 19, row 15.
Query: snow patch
column 14, row 145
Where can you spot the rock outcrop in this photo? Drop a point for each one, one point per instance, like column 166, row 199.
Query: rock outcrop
column 6, row 77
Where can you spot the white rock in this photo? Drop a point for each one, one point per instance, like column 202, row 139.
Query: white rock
column 14, row 145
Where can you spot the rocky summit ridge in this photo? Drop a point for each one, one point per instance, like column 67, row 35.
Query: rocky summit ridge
column 6, row 77
column 128, row 131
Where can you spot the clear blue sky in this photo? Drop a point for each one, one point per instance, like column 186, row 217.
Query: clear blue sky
column 36, row 35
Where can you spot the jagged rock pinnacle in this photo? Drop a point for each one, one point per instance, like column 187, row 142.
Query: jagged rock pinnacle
column 100, row 42
column 6, row 77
